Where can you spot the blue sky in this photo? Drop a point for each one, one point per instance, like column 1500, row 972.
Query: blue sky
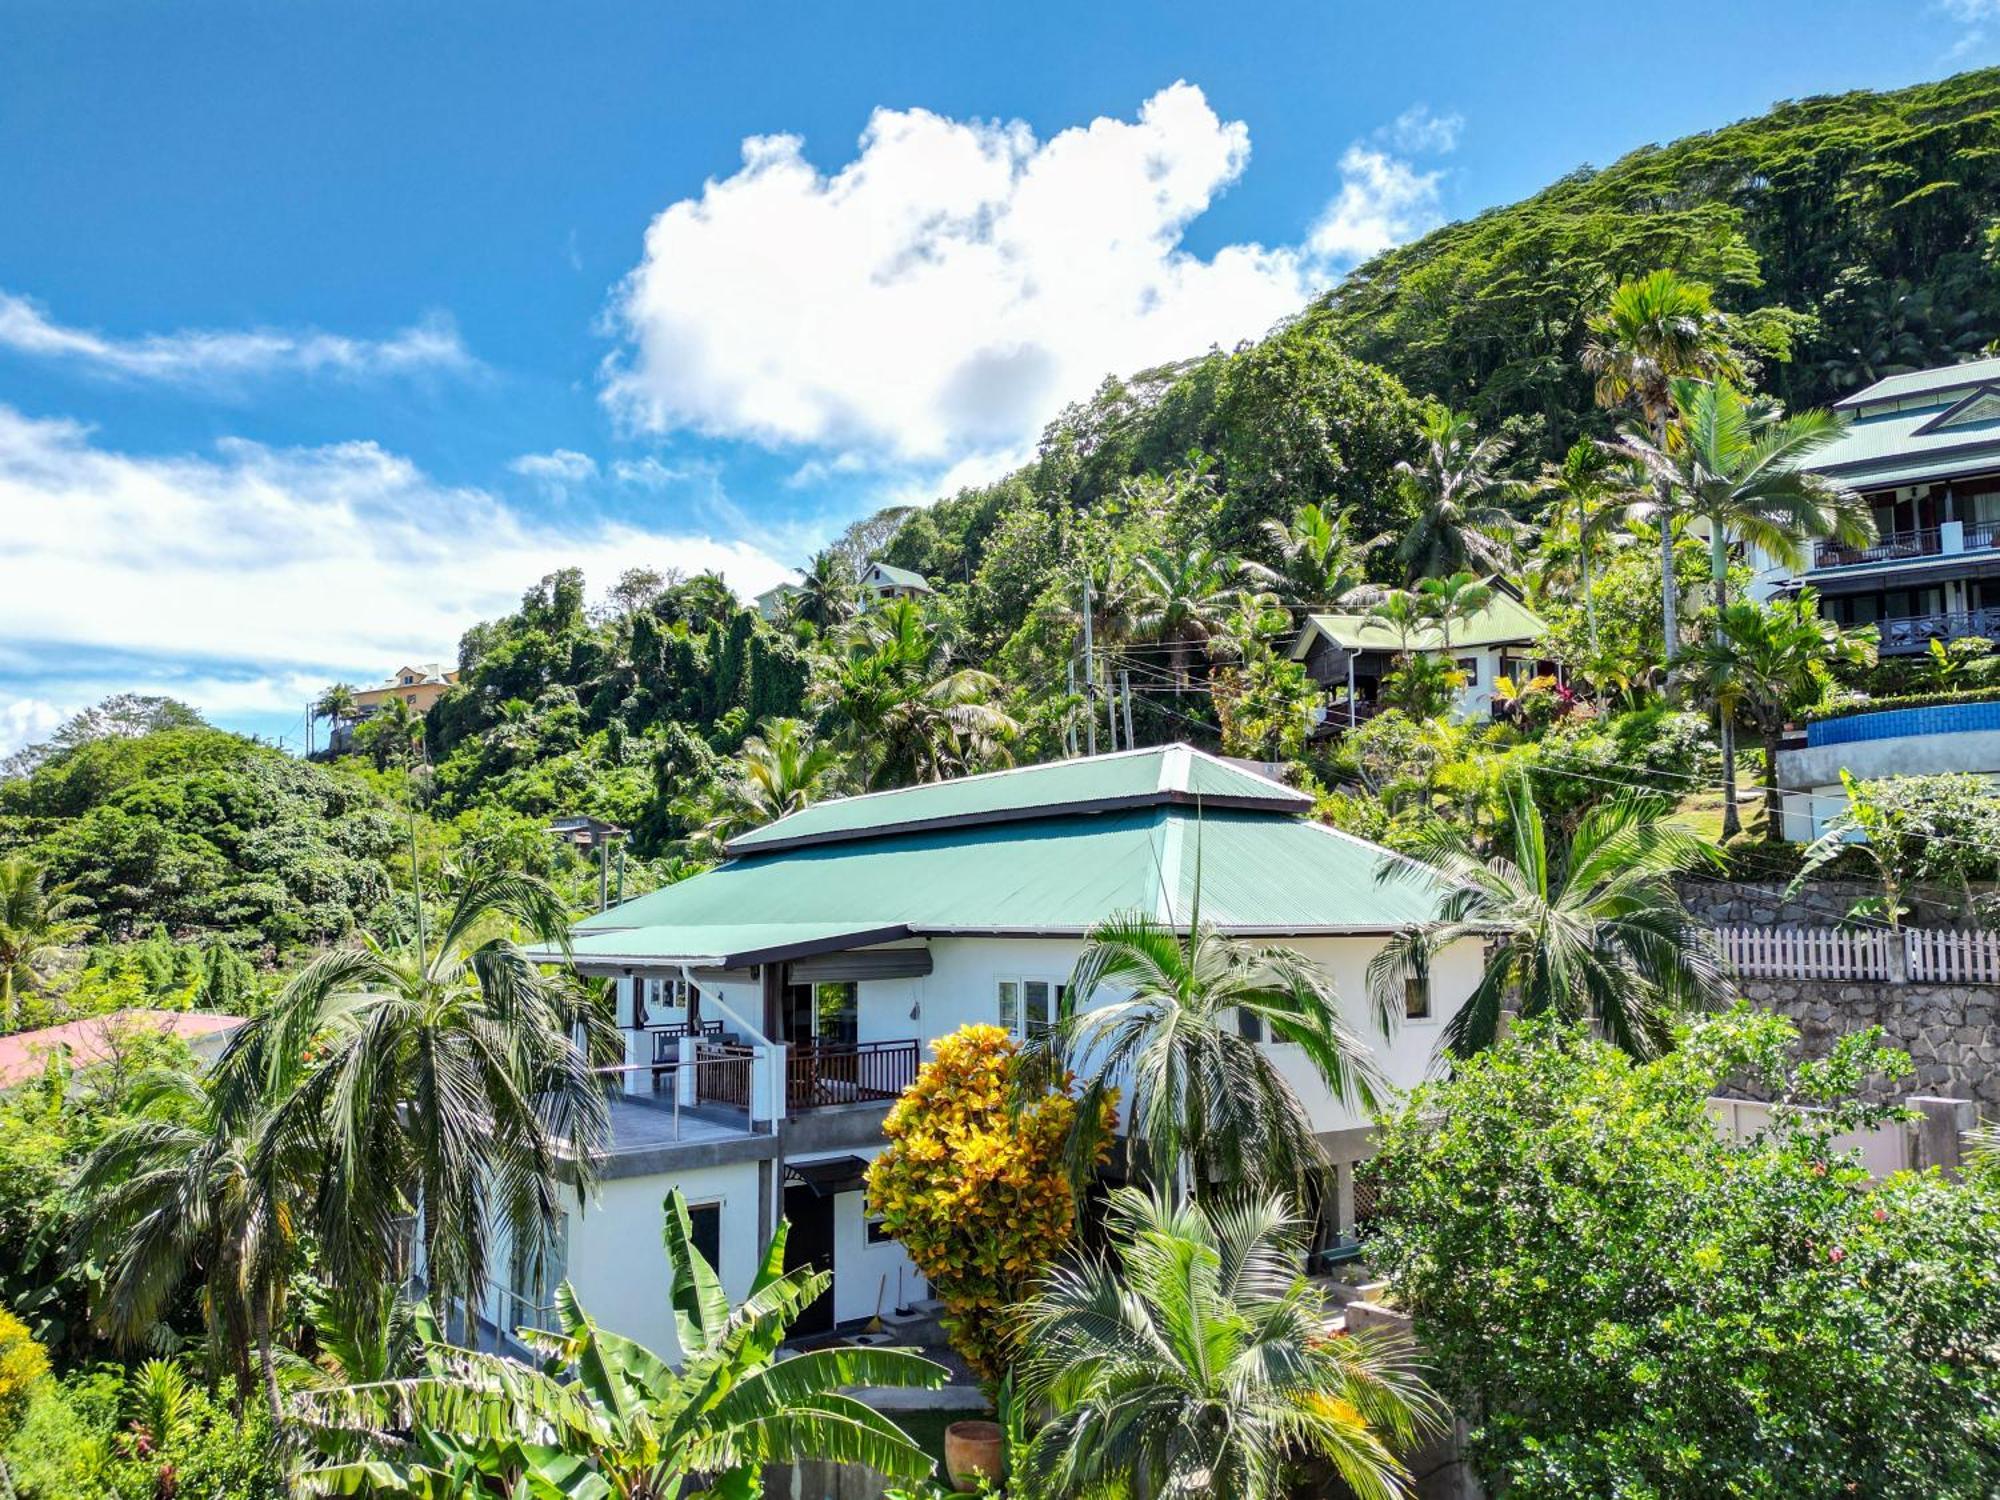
column 326, row 328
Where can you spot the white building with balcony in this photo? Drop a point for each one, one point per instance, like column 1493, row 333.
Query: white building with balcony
column 775, row 1007
column 1923, row 450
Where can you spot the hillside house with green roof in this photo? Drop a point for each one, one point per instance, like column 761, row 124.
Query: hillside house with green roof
column 1350, row 655
column 775, row 1006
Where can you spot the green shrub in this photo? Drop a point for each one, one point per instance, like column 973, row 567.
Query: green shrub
column 1626, row 1302
column 1849, row 709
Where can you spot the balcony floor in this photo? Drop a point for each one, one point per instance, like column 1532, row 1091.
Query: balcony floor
column 642, row 1125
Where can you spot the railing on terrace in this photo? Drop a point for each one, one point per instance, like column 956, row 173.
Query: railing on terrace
column 1916, row 632
column 720, row 1079
column 667, row 1038
column 1925, row 542
column 822, row 1074
column 1920, row 955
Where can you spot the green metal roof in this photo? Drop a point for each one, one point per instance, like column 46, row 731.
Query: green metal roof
column 900, row 577
column 1503, row 622
column 1155, row 776
column 1942, row 378
column 1260, row 873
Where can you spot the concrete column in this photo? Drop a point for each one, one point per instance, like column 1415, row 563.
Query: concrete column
column 686, row 1083
column 1343, row 1197
column 638, row 1056
column 1940, row 1133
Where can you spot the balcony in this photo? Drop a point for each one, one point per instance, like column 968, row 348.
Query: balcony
column 1949, row 539
column 1916, row 632
column 818, row 1075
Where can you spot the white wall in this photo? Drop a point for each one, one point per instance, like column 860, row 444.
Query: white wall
column 618, row 1263
column 962, row 988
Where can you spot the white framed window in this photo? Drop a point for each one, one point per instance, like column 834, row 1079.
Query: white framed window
column 1029, row 1006
column 665, row 1000
column 1469, row 665
column 705, row 1224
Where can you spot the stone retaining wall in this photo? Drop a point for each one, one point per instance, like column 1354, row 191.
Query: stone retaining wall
column 1951, row 1031
column 1819, row 903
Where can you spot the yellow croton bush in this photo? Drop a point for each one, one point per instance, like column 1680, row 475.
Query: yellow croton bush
column 972, row 1185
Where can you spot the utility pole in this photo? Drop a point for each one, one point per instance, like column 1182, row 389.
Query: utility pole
column 1089, row 671
column 1069, row 725
column 1111, row 707
column 1125, row 690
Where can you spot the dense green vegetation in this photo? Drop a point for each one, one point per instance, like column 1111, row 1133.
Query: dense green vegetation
column 1559, row 393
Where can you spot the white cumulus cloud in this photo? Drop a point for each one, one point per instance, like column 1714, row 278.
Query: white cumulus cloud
column 948, row 289
column 193, row 356
column 939, row 298
column 300, row 563
column 1383, row 200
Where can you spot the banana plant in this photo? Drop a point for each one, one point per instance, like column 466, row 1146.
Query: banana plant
column 605, row 1418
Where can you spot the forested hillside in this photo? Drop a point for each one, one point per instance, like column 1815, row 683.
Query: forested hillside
column 1205, row 503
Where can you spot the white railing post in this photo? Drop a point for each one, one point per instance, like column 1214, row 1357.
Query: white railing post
column 767, row 1083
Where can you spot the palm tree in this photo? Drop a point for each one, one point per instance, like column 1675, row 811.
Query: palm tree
column 901, row 707
column 1590, row 493
column 1184, row 596
column 1655, row 330
column 778, row 772
column 1198, row 1363
column 1320, row 560
column 447, row 1083
column 829, row 593
column 1402, row 612
column 189, row 1189
column 1179, row 1035
column 1461, row 520
column 1456, row 599
column 335, row 705
column 36, row 924
column 628, row 1423
column 1737, row 468
column 1590, row 927
column 1764, row 665
column 1737, row 464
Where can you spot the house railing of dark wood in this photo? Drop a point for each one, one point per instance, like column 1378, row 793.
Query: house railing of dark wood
column 1925, row 542
column 1916, row 632
column 722, row 1073
column 667, row 1039
column 819, row 1075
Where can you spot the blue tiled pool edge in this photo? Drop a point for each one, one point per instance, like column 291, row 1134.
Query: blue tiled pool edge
column 1893, row 723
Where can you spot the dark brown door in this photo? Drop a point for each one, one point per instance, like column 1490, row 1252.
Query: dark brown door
column 810, row 1243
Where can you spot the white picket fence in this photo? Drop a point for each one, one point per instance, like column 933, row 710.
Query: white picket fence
column 1922, row 955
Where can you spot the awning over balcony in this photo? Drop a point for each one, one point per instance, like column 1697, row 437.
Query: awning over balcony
column 828, row 1179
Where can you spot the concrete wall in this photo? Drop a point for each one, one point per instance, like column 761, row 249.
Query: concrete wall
column 1811, row 776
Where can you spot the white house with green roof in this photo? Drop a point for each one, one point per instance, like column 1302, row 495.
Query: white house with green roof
column 775, row 1006
column 1350, row 654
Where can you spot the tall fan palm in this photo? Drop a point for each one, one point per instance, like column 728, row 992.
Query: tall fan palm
column 1199, row 1364
column 1592, row 927
column 627, row 1424
column 1320, row 559
column 1462, row 522
column 1655, row 330
column 36, row 923
column 447, row 1083
column 901, row 706
column 1738, row 469
column 185, row 1189
column 1763, row 665
column 1184, row 596
column 1179, row 1031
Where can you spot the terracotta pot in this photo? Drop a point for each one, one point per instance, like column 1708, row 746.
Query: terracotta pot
column 972, row 1449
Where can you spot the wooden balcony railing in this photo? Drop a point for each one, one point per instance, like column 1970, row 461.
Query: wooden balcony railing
column 1916, row 632
column 1925, row 542
column 667, row 1039
column 819, row 1075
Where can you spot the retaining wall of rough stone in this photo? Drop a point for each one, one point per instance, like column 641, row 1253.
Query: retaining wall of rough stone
column 1951, row 1031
